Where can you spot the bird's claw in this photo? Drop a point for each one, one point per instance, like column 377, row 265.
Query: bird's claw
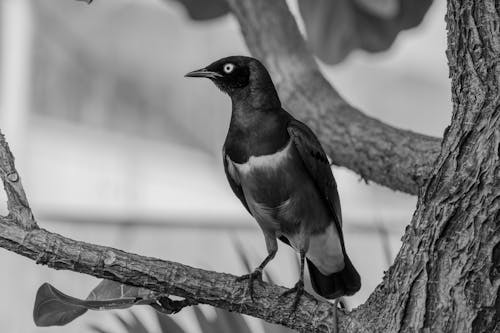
column 298, row 289
column 254, row 276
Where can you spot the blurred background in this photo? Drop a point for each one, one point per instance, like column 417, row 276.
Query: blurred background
column 115, row 147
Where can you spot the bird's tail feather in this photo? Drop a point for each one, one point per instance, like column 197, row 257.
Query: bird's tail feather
column 343, row 283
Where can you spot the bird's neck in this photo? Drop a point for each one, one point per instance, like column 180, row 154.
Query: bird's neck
column 255, row 132
column 259, row 94
column 253, row 107
column 258, row 123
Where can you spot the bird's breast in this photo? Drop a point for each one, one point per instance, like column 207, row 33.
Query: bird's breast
column 265, row 163
column 270, row 179
column 278, row 190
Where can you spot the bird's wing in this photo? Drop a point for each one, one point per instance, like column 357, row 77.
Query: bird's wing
column 233, row 180
column 317, row 165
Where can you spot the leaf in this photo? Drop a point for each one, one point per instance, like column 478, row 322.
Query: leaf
column 135, row 325
column 205, row 9
column 54, row 308
column 337, row 27
column 98, row 329
column 380, row 8
column 206, row 326
column 128, row 327
column 167, row 324
column 108, row 289
column 231, row 322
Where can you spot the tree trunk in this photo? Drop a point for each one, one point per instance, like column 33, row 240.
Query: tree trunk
column 446, row 276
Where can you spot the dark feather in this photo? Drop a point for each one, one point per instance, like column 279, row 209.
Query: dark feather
column 235, row 186
column 317, row 165
column 347, row 281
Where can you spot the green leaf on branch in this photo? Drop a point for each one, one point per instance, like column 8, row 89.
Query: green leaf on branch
column 337, row 27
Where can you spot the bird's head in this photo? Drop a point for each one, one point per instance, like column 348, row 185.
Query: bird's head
column 236, row 73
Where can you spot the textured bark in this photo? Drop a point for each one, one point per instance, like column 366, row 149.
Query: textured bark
column 217, row 289
column 399, row 159
column 446, row 277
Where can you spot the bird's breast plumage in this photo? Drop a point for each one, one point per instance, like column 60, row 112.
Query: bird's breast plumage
column 270, row 163
column 279, row 192
column 282, row 198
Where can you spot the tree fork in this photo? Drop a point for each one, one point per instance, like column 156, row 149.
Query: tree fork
column 446, row 277
column 399, row 159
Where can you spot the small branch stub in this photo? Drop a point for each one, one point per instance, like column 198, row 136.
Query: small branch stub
column 17, row 202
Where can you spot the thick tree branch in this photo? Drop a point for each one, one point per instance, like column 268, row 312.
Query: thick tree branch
column 207, row 287
column 399, row 159
column 20, row 234
column 446, row 277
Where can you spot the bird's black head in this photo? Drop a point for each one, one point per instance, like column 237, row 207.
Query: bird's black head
column 235, row 73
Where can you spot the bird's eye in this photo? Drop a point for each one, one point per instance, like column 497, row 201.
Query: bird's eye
column 228, row 68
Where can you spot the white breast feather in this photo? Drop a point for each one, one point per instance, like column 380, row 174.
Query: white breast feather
column 264, row 161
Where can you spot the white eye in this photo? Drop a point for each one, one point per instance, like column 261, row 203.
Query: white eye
column 228, row 68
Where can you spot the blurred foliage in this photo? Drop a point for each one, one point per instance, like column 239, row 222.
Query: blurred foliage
column 205, row 9
column 337, row 27
column 222, row 322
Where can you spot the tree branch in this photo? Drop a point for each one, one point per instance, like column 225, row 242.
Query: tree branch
column 399, row 159
column 20, row 234
column 446, row 277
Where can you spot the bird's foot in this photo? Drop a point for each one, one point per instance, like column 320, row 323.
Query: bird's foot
column 298, row 289
column 254, row 276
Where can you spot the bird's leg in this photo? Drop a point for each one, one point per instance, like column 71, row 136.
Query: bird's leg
column 298, row 289
column 256, row 275
column 336, row 303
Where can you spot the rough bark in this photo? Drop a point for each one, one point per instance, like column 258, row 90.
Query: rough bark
column 396, row 158
column 217, row 289
column 446, row 277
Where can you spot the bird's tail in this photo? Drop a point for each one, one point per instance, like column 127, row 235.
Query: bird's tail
column 346, row 282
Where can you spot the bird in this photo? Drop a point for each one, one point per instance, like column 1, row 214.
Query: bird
column 279, row 171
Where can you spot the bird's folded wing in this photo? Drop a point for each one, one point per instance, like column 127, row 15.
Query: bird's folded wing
column 233, row 182
column 317, row 165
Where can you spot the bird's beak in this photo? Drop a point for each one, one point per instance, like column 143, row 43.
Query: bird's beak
column 203, row 73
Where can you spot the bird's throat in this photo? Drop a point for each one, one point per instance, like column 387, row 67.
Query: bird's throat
column 255, row 132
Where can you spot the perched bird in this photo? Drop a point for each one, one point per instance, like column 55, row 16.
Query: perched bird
column 278, row 169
